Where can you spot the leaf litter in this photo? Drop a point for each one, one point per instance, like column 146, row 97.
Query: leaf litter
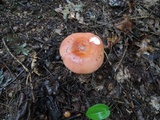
column 128, row 80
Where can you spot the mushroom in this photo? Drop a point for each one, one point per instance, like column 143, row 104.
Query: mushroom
column 82, row 53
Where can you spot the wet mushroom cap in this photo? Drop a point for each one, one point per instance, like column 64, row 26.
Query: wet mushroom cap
column 82, row 53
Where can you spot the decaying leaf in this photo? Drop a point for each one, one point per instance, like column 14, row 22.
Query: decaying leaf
column 59, row 29
column 122, row 75
column 21, row 58
column 34, row 64
column 12, row 38
column 144, row 47
column 99, row 87
column 34, row 60
column 18, row 48
column 125, row 25
column 71, row 11
column 114, row 39
column 110, row 86
column 76, row 15
column 130, row 5
column 35, row 70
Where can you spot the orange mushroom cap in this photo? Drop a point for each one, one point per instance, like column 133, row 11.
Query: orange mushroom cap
column 82, row 53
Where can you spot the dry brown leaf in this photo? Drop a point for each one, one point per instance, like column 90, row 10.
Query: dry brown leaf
column 131, row 5
column 35, row 70
column 34, row 64
column 124, row 25
column 110, row 86
column 34, row 60
column 21, row 58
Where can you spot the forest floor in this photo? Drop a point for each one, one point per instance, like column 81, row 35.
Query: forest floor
column 35, row 84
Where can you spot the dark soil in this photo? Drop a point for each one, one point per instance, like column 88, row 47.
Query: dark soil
column 35, row 84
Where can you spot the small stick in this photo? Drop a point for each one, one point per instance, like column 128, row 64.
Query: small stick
column 121, row 59
column 26, row 69
column 107, row 58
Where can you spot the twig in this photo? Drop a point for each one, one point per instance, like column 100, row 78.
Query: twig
column 124, row 53
column 150, row 11
column 7, row 67
column 13, row 79
column 26, row 69
column 107, row 58
column 140, row 17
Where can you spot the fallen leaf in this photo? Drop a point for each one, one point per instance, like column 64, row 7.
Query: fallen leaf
column 59, row 29
column 110, row 86
column 71, row 11
column 79, row 18
column 22, row 48
column 12, row 38
column 58, row 9
column 124, row 25
column 34, row 64
column 99, row 87
column 122, row 75
column 34, row 60
column 21, row 58
column 36, row 71
column 144, row 47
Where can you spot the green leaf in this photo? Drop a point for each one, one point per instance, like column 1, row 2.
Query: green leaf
column 22, row 49
column 98, row 112
column 25, row 51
